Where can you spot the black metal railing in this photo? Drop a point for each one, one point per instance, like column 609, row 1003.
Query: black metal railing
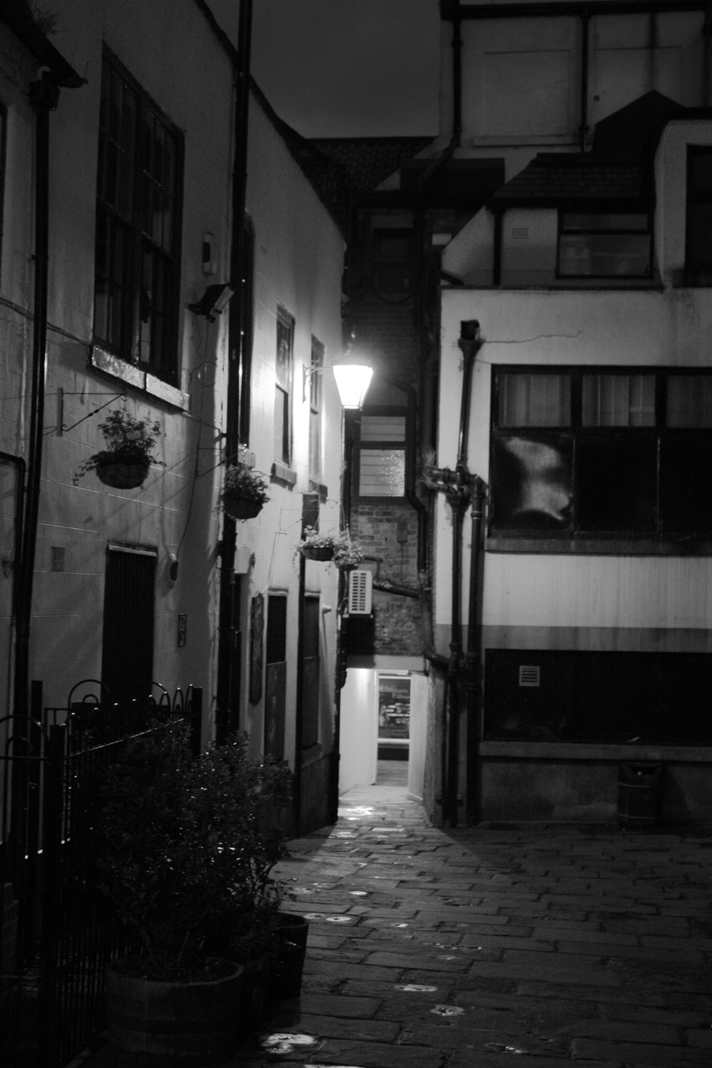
column 58, row 931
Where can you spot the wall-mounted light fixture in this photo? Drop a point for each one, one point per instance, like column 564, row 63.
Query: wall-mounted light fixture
column 213, row 301
column 353, row 377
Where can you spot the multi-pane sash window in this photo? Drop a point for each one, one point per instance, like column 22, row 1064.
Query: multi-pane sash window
column 597, row 453
column 381, row 468
column 139, row 192
column 605, row 245
column 315, row 402
column 698, row 249
column 283, row 387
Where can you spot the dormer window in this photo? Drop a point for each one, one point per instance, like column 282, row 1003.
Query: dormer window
column 605, row 245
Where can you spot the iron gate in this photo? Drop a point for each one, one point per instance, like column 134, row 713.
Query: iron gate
column 58, row 932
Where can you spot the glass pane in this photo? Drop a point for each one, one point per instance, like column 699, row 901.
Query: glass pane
column 381, row 473
column 531, row 482
column 618, row 400
column 382, row 428
column 698, row 250
column 689, row 401
column 595, row 221
column 685, row 465
column 616, row 483
column 281, row 425
column 534, row 400
column 604, row 255
column 283, row 367
column 700, row 171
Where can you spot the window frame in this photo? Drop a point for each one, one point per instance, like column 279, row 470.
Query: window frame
column 694, row 198
column 661, row 440
column 316, row 405
column 135, row 304
column 284, row 389
column 382, row 444
column 597, row 209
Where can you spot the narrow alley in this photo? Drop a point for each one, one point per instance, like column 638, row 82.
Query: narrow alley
column 456, row 949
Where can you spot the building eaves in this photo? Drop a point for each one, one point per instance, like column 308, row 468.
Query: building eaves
column 369, row 161
column 553, row 178
column 17, row 16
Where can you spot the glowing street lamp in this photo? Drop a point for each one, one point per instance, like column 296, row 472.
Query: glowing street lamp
column 353, row 377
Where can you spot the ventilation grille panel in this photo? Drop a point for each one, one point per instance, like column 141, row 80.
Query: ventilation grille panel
column 360, row 593
column 529, row 675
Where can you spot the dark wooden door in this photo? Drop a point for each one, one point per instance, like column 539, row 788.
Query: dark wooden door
column 127, row 646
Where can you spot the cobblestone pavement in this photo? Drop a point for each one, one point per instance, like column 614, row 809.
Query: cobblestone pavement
column 459, row 949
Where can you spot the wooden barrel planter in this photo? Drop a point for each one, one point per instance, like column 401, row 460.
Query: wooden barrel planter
column 240, row 508
column 122, row 476
column 172, row 1024
column 291, row 949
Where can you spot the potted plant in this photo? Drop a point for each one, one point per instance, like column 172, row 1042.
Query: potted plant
column 186, row 844
column 125, row 461
column 244, row 492
column 334, row 546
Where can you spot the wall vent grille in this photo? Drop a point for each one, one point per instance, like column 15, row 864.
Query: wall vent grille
column 529, row 675
column 360, row 593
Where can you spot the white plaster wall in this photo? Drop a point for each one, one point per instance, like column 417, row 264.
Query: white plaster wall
column 644, row 328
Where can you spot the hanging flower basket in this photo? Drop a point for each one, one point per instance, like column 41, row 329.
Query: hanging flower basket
column 122, row 476
column 125, row 461
column 239, row 508
column 324, row 552
column 244, row 492
column 335, row 546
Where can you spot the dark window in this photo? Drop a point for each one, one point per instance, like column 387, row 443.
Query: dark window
column 381, row 454
column 137, row 259
column 127, row 646
column 698, row 249
column 605, row 245
column 275, row 676
column 3, row 129
column 311, row 672
column 580, row 453
column 546, row 696
column 283, row 388
column 391, row 260
column 315, row 403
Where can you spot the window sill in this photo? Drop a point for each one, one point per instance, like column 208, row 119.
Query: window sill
column 598, row 547
column 672, row 754
column 281, row 473
column 318, row 487
column 312, row 754
column 691, row 279
column 138, row 379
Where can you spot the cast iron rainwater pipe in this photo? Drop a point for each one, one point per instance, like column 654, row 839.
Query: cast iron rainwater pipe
column 461, row 681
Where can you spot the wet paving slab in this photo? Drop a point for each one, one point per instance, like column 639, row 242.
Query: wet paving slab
column 435, row 948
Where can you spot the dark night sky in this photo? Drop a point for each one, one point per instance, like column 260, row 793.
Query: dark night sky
column 348, row 68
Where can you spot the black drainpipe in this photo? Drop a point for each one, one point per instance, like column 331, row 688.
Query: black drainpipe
column 226, row 716
column 44, row 96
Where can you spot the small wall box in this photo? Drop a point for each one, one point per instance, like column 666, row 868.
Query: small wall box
column 360, row 593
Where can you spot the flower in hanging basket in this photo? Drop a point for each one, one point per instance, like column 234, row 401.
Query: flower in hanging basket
column 125, row 461
column 337, row 547
column 244, row 492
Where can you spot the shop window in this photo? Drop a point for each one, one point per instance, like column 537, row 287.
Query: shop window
column 580, row 454
column 283, row 388
column 605, row 245
column 610, row 697
column 698, row 248
column 137, row 258
column 381, row 454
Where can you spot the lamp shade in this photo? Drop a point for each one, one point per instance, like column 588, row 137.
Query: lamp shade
column 352, row 381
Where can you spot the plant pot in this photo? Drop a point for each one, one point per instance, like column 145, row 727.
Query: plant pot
column 325, row 552
column 170, row 1024
column 240, row 508
column 122, row 476
column 291, row 937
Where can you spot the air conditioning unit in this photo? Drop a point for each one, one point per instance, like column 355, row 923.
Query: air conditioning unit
column 360, row 593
